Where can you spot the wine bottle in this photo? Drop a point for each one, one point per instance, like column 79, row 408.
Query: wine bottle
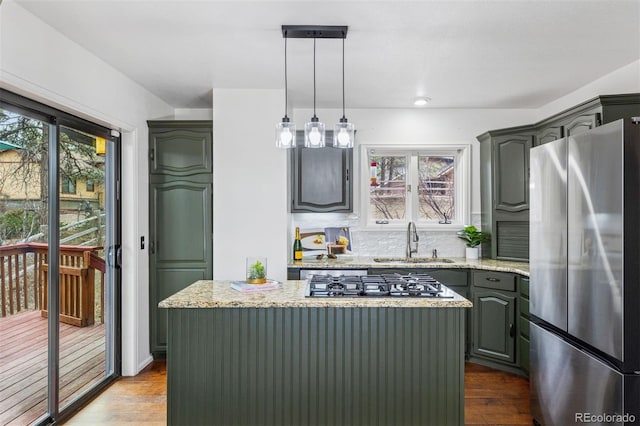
column 297, row 246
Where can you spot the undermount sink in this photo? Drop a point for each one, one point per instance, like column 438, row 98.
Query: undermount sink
column 412, row 260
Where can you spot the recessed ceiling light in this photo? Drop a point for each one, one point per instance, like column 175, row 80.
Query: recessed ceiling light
column 421, row 101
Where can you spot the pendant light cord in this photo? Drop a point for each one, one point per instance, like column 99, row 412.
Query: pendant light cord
column 343, row 114
column 286, row 90
column 314, row 77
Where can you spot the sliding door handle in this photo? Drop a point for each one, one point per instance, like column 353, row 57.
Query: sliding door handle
column 114, row 256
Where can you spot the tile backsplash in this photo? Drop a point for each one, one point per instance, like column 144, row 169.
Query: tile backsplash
column 383, row 242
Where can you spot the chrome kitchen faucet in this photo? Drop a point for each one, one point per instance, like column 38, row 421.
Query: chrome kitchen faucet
column 412, row 239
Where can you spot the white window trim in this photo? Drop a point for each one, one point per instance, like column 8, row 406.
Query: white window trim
column 463, row 175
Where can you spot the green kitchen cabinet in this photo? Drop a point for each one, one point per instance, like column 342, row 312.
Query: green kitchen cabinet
column 180, row 148
column 504, row 167
column 582, row 123
column 321, row 178
column 549, row 133
column 494, row 316
column 511, row 177
column 523, row 325
column 575, row 122
column 587, row 115
column 180, row 215
column 504, row 164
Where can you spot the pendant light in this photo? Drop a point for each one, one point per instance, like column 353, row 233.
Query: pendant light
column 344, row 132
column 285, row 130
column 314, row 129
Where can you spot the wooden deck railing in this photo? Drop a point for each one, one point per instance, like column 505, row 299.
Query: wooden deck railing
column 23, row 281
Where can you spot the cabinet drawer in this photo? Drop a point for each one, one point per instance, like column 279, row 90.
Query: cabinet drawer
column 495, row 280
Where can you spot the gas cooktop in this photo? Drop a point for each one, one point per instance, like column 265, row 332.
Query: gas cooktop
column 386, row 285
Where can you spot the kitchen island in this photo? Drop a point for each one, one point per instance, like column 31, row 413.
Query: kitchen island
column 280, row 358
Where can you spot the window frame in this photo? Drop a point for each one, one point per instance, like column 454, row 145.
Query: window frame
column 462, row 171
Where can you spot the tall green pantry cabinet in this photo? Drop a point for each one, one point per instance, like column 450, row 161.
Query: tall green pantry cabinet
column 180, row 214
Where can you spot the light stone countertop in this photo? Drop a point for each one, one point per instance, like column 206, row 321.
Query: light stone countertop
column 363, row 262
column 219, row 294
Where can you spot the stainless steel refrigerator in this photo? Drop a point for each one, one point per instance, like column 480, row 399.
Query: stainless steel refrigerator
column 585, row 277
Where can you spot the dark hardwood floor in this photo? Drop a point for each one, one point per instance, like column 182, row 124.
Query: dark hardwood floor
column 491, row 398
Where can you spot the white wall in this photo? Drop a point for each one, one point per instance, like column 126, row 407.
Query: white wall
column 38, row 62
column 622, row 80
column 249, row 183
column 193, row 114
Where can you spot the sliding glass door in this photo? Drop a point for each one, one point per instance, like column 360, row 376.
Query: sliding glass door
column 60, row 272
column 24, row 343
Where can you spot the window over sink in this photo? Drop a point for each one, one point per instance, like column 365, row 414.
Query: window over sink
column 428, row 185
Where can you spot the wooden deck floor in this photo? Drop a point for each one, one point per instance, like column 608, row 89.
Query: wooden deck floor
column 23, row 365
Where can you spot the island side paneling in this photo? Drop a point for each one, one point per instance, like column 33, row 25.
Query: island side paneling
column 304, row 366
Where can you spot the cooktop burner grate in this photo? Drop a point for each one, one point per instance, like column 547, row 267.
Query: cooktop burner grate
column 385, row 285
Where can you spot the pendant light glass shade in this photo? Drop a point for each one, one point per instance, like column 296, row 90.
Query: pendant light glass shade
column 285, row 133
column 314, row 133
column 344, row 132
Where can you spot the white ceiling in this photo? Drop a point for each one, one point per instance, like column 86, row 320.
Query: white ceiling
column 461, row 54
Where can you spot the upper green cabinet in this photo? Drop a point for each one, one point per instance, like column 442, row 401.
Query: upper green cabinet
column 511, row 172
column 587, row 115
column 504, row 167
column 504, row 162
column 321, row 178
column 180, row 148
column 549, row 133
column 582, row 123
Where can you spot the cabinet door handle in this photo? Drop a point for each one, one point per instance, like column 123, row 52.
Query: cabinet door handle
column 492, row 279
column 511, row 330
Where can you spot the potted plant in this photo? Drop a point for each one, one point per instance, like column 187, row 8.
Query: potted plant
column 256, row 270
column 473, row 238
